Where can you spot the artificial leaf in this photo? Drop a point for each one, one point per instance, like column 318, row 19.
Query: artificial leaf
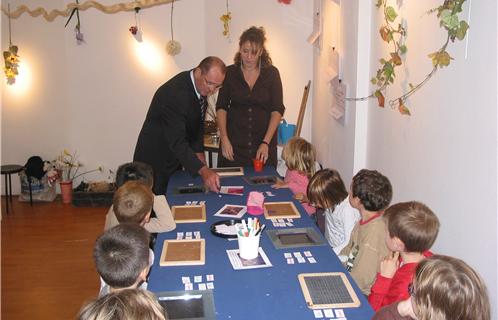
column 402, row 49
column 390, row 14
column 395, row 58
column 462, row 30
column 449, row 20
column 384, row 33
column 379, row 3
column 373, row 81
column 13, row 49
column 443, row 59
column 402, row 108
column 380, row 98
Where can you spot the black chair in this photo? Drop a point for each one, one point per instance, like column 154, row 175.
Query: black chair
column 8, row 170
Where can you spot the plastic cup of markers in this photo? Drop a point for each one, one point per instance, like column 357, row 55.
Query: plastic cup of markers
column 248, row 246
column 258, row 165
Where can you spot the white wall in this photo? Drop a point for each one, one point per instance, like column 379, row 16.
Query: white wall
column 93, row 97
column 445, row 154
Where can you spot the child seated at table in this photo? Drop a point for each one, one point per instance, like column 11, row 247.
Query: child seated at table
column 443, row 288
column 370, row 193
column 127, row 304
column 161, row 218
column 123, row 258
column 299, row 156
column 412, row 228
column 327, row 191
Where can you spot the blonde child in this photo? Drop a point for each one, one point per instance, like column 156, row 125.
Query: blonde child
column 127, row 304
column 444, row 288
column 161, row 219
column 327, row 191
column 299, row 156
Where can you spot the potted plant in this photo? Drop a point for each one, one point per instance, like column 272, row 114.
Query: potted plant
column 67, row 166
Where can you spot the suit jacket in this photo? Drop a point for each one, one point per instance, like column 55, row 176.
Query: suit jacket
column 173, row 130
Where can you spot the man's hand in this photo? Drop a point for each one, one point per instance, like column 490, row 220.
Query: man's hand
column 389, row 265
column 211, row 179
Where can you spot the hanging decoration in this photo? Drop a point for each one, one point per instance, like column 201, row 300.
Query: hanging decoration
column 225, row 18
column 77, row 28
column 393, row 34
column 115, row 8
column 11, row 59
column 136, row 30
column 173, row 47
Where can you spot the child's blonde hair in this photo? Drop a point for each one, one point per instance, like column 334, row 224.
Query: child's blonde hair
column 127, row 304
column 447, row 288
column 132, row 202
column 300, row 155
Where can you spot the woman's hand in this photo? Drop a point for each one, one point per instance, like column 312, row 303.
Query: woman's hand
column 262, row 153
column 226, row 148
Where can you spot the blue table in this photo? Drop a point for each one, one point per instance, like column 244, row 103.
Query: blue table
column 266, row 293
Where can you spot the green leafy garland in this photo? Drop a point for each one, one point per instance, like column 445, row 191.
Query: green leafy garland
column 394, row 34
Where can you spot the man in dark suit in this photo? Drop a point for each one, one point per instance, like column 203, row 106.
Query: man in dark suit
column 172, row 135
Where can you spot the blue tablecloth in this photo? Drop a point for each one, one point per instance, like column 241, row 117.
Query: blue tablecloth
column 266, row 293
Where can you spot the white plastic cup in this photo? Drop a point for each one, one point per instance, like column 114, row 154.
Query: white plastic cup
column 248, row 246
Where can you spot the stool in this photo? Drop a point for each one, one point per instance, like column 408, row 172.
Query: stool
column 8, row 170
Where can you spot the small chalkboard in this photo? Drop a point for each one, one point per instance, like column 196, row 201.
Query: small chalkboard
column 280, row 210
column 188, row 305
column 229, row 171
column 328, row 290
column 261, row 180
column 183, row 252
column 295, row 238
column 189, row 190
column 189, row 213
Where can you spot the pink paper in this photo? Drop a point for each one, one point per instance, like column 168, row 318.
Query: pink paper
column 255, row 202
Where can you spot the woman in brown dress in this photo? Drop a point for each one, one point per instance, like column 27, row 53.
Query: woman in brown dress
column 250, row 105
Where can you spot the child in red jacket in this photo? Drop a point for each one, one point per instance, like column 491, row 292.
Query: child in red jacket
column 412, row 228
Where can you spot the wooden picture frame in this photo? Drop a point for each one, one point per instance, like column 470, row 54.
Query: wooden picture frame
column 328, row 290
column 229, row 171
column 281, row 210
column 189, row 213
column 183, row 253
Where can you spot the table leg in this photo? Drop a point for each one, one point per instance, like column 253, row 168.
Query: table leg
column 10, row 188
column 6, row 196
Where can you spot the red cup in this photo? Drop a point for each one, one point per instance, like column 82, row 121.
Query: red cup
column 258, row 165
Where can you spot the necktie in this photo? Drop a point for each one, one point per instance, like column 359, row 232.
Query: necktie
column 202, row 104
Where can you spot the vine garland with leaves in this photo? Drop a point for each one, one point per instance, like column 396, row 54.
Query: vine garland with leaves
column 393, row 34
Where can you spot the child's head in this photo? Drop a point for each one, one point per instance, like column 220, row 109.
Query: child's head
column 134, row 171
column 372, row 189
column 122, row 255
column 448, row 288
column 326, row 189
column 128, row 304
column 412, row 223
column 299, row 155
column 133, row 202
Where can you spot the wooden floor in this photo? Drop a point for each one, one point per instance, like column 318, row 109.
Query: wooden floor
column 47, row 265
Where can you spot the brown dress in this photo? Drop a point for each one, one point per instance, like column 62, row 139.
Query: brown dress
column 249, row 113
